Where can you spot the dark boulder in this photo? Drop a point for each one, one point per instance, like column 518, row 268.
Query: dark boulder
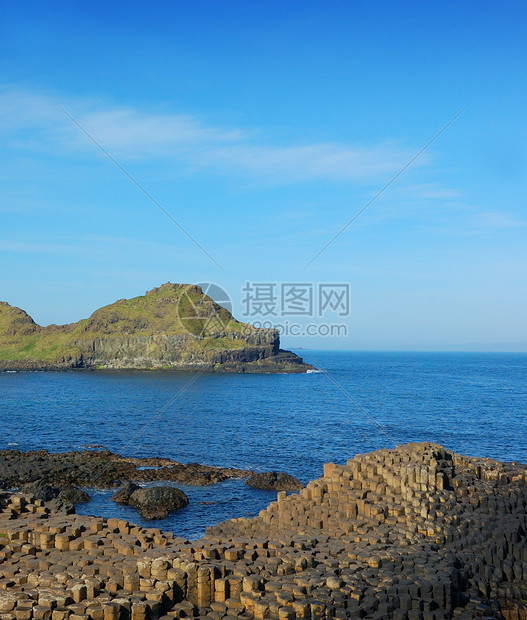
column 274, row 481
column 157, row 502
column 61, row 497
column 73, row 495
column 66, row 493
column 122, row 495
column 40, row 490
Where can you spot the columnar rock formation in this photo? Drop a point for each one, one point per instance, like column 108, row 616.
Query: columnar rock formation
column 411, row 533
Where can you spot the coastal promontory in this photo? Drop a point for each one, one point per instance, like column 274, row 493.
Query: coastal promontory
column 171, row 327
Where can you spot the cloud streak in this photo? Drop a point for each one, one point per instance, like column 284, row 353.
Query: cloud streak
column 32, row 121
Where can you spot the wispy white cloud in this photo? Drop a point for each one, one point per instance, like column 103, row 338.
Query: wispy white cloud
column 426, row 191
column 494, row 220
column 87, row 244
column 30, row 121
column 312, row 161
column 131, row 133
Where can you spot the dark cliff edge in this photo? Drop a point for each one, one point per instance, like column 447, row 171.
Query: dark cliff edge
column 171, row 327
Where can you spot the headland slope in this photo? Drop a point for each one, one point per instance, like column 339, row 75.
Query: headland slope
column 171, row 327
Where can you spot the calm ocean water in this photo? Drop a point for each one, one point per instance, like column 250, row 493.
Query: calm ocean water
column 469, row 402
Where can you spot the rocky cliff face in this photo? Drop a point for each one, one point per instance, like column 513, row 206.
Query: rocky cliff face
column 174, row 326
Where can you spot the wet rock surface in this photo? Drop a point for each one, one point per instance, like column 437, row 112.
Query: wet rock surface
column 157, row 502
column 103, row 469
column 274, row 481
column 123, row 494
column 414, row 533
column 152, row 503
column 56, row 478
column 62, row 497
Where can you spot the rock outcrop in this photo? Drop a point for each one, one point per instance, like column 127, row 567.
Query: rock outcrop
column 151, row 502
column 157, row 502
column 62, row 497
column 171, row 327
column 102, row 469
column 414, row 533
column 55, row 477
column 274, row 481
column 123, row 494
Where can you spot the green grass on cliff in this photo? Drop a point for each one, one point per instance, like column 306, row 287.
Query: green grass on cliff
column 172, row 310
column 21, row 338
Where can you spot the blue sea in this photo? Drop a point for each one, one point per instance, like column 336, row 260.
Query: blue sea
column 473, row 403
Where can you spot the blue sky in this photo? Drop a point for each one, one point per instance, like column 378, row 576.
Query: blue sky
column 263, row 128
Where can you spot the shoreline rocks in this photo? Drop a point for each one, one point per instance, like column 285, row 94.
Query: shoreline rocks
column 123, row 494
column 274, row 481
column 157, row 502
column 413, row 533
column 63, row 497
column 56, row 478
column 103, row 469
column 152, row 502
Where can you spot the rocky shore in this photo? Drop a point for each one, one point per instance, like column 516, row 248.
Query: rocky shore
column 411, row 533
column 103, row 469
column 57, row 478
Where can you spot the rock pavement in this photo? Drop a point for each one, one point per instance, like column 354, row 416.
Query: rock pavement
column 415, row 533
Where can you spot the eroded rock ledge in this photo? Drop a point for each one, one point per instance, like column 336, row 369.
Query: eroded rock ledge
column 56, row 478
column 103, row 469
column 411, row 533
